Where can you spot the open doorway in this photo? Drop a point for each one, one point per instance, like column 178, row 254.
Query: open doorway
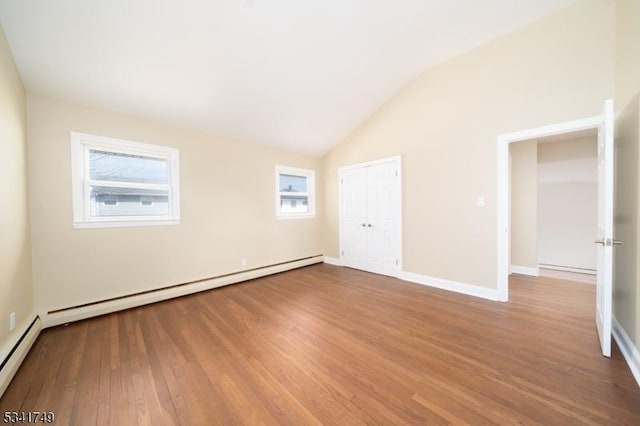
column 605, row 241
column 554, row 190
column 504, row 183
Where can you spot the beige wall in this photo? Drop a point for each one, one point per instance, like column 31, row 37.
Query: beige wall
column 16, row 290
column 568, row 203
column 570, row 150
column 626, row 298
column 227, row 208
column 445, row 125
column 524, row 202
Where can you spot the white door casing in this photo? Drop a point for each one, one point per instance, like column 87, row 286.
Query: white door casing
column 604, row 124
column 605, row 240
column 370, row 216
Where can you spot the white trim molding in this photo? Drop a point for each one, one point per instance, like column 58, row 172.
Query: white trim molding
column 310, row 194
column 454, row 286
column 332, row 261
column 63, row 316
column 524, row 270
column 628, row 349
column 458, row 287
column 13, row 360
column 395, row 158
column 397, row 203
column 85, row 216
column 503, row 177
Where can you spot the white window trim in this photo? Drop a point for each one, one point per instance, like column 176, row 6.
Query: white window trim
column 311, row 192
column 81, row 143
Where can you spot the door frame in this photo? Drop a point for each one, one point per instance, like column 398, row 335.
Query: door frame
column 397, row 159
column 504, row 179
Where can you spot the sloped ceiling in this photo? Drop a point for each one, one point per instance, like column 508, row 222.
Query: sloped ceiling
column 295, row 74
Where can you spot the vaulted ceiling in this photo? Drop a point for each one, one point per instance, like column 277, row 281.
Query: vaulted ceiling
column 295, row 74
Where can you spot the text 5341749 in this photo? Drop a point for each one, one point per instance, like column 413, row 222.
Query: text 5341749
column 17, row 417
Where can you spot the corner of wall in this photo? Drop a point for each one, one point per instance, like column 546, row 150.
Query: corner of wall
column 16, row 282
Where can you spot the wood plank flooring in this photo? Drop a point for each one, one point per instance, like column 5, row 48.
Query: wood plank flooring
column 568, row 276
column 331, row 345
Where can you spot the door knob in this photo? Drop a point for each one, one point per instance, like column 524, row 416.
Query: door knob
column 369, row 225
column 616, row 242
column 600, row 241
column 363, row 225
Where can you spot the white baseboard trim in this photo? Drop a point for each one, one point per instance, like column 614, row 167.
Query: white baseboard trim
column 50, row 319
column 628, row 349
column 458, row 287
column 332, row 261
column 524, row 270
column 568, row 269
column 16, row 349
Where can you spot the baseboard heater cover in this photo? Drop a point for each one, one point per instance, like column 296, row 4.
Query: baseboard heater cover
column 13, row 359
column 568, row 269
column 101, row 307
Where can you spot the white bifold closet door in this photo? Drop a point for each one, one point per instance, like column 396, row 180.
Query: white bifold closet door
column 370, row 217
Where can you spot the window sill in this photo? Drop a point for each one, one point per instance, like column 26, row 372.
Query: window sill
column 125, row 223
column 300, row 216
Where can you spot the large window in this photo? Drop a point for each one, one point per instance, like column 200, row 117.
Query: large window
column 123, row 183
column 295, row 193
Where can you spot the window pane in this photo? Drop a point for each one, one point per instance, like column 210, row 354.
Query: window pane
column 106, row 201
column 113, row 166
column 294, row 204
column 292, row 183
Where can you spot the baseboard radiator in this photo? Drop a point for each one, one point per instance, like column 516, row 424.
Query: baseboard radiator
column 14, row 355
column 101, row 307
column 568, row 269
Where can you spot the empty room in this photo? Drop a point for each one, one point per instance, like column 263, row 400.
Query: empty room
column 338, row 212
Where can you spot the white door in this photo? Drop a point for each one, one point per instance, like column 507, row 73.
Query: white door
column 382, row 212
column 370, row 217
column 353, row 221
column 605, row 229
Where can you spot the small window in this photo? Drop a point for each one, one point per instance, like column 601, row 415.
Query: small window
column 123, row 183
column 295, row 193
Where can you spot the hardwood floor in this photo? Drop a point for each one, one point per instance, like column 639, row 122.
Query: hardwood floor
column 331, row 345
column 568, row 276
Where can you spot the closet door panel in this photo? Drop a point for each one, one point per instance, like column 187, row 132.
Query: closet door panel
column 382, row 218
column 370, row 217
column 354, row 230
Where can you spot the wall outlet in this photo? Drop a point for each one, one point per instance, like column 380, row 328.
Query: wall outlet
column 244, row 261
column 12, row 321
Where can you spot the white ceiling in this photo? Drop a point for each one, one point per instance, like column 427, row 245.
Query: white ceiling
column 296, row 74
